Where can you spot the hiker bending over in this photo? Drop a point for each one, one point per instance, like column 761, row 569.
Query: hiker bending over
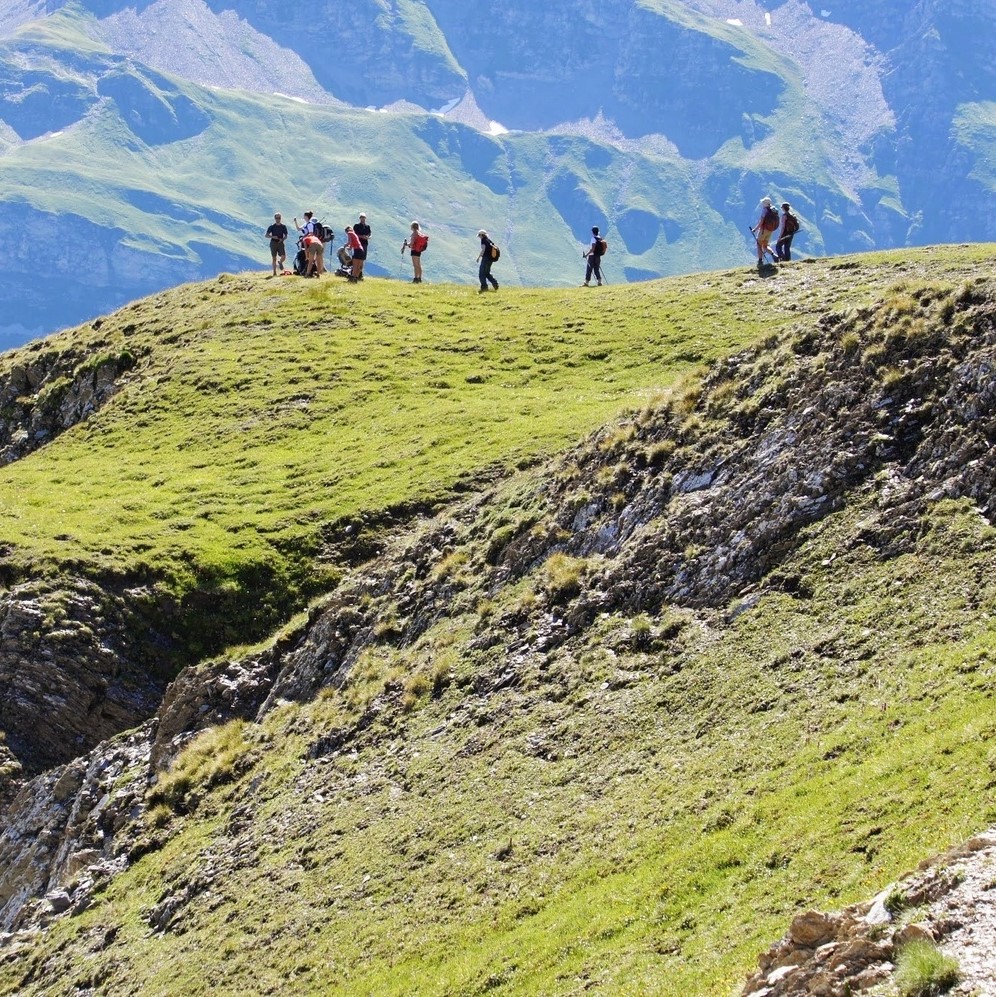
column 362, row 230
column 593, row 254
column 766, row 224
column 277, row 234
column 487, row 257
column 416, row 244
column 787, row 228
column 314, row 250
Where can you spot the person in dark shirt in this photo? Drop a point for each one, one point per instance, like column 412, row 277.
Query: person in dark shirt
column 486, row 258
column 362, row 230
column 277, row 234
column 594, row 256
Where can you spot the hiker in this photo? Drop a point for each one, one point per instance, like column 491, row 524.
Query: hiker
column 487, row 257
column 766, row 224
column 355, row 248
column 593, row 254
column 362, row 230
column 787, row 228
column 309, row 224
column 416, row 244
column 277, row 234
column 314, row 250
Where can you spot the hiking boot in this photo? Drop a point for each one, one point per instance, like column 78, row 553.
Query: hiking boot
column 586, row 284
column 599, row 283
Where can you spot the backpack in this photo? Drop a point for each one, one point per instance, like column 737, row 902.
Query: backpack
column 602, row 247
column 791, row 223
column 770, row 221
column 322, row 232
column 420, row 243
column 495, row 252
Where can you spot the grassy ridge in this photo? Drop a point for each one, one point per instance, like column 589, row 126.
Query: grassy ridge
column 261, row 410
column 645, row 807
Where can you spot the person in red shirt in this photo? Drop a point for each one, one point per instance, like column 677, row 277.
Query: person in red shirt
column 355, row 246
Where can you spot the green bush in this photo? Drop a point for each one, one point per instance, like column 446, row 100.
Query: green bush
column 922, row 970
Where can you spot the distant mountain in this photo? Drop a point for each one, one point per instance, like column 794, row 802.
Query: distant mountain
column 154, row 139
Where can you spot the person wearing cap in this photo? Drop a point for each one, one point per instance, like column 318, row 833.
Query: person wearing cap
column 788, row 225
column 766, row 225
column 486, row 258
column 594, row 256
column 362, row 230
column 277, row 234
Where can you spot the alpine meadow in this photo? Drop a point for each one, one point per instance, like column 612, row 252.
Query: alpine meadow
column 383, row 637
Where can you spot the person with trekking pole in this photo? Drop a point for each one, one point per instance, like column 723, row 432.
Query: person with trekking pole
column 594, row 255
column 766, row 224
column 416, row 244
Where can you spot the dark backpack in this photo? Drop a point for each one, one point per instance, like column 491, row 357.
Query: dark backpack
column 495, row 252
column 602, row 247
column 770, row 221
column 791, row 223
column 322, row 232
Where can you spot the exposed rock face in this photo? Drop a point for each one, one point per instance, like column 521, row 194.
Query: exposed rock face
column 44, row 393
column 71, row 671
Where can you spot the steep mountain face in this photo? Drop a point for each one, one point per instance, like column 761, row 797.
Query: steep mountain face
column 820, row 504
column 180, row 126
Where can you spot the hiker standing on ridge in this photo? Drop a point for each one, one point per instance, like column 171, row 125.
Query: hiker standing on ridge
column 277, row 234
column 766, row 224
column 309, row 224
column 487, row 257
column 416, row 244
column 355, row 246
column 786, row 230
column 594, row 256
column 362, row 230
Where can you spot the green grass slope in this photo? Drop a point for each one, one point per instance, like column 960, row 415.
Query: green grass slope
column 263, row 416
column 509, row 799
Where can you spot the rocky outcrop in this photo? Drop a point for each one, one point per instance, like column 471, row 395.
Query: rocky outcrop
column 73, row 670
column 839, row 954
column 44, row 391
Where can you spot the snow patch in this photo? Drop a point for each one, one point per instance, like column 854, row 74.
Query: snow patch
column 495, row 128
column 287, row 96
column 735, row 21
column 767, row 19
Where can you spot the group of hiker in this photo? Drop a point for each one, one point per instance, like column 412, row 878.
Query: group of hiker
column 314, row 236
column 781, row 227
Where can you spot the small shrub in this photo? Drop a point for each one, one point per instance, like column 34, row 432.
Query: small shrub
column 850, row 343
column 895, row 902
column 562, row 577
column 212, row 758
column 922, row 970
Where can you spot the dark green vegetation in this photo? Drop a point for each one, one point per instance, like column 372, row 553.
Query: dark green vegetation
column 550, row 765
